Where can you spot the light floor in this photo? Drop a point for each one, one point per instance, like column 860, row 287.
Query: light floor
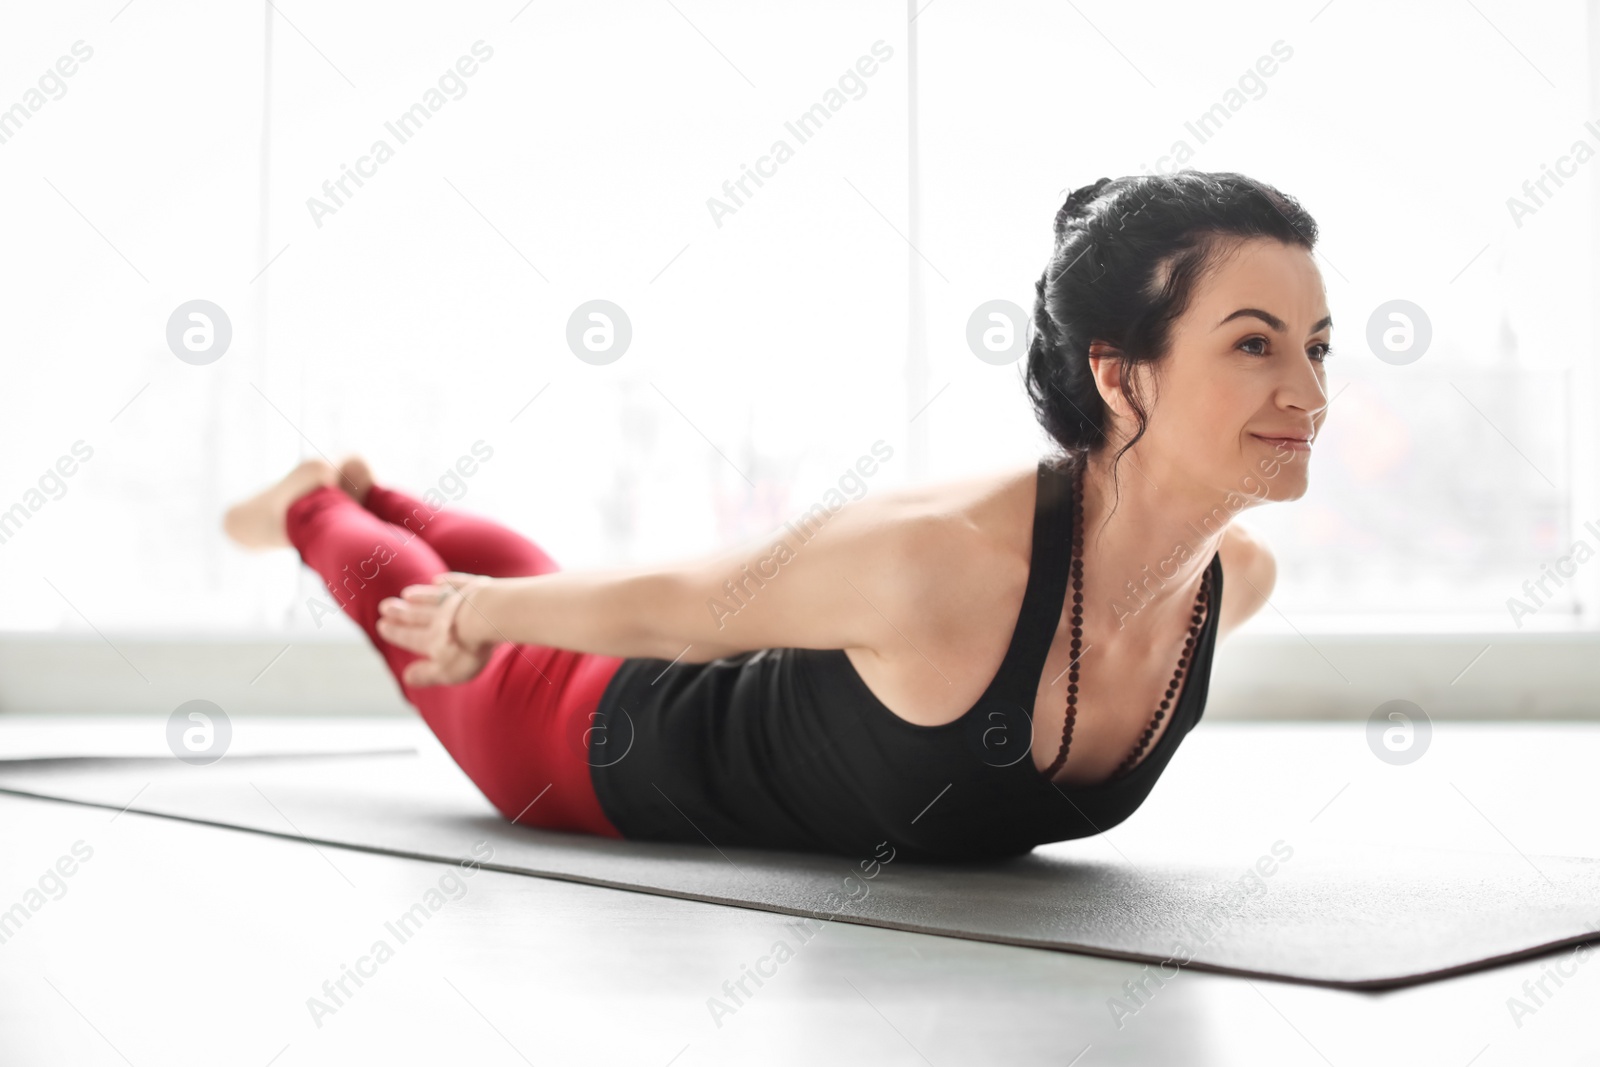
column 175, row 943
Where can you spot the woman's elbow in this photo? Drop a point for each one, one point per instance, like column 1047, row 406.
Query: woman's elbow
column 676, row 618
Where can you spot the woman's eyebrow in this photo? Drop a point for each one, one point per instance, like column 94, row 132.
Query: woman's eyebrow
column 1271, row 320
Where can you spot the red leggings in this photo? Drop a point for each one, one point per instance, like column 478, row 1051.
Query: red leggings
column 519, row 729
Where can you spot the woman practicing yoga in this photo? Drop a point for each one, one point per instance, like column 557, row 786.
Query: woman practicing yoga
column 916, row 672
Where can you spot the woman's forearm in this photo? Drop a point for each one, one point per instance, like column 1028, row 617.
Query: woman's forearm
column 839, row 590
column 609, row 612
column 584, row 610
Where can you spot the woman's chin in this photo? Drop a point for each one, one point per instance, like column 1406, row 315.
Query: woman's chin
column 1288, row 482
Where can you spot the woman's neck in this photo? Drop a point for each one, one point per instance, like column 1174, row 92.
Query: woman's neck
column 1148, row 556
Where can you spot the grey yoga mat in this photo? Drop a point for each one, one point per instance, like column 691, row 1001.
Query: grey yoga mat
column 1321, row 911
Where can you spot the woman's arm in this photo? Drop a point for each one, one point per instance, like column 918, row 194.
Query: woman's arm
column 846, row 585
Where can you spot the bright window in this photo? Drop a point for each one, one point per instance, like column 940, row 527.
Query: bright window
column 425, row 308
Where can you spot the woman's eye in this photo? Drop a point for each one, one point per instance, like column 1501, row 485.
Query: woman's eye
column 1317, row 356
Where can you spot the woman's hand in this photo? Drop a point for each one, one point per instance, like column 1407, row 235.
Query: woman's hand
column 422, row 619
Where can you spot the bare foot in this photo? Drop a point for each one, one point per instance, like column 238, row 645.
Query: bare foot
column 355, row 478
column 258, row 522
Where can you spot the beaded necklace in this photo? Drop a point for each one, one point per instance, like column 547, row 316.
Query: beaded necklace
column 1200, row 602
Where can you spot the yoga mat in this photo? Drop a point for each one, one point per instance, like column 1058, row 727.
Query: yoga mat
column 1336, row 913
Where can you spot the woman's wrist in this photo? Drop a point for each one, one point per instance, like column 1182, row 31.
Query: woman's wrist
column 471, row 628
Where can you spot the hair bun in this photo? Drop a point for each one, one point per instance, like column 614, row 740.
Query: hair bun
column 1077, row 204
column 1082, row 197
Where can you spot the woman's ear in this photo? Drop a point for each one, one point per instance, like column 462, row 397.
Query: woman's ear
column 1106, row 366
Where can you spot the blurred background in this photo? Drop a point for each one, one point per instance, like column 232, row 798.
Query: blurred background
column 541, row 157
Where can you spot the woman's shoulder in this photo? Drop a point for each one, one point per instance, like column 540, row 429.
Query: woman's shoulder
column 994, row 505
column 963, row 545
column 951, row 576
column 1249, row 573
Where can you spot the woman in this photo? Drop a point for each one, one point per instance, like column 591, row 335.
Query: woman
column 915, row 673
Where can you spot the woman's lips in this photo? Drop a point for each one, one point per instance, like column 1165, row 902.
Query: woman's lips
column 1296, row 443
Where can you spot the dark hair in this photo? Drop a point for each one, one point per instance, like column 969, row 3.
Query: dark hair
column 1105, row 282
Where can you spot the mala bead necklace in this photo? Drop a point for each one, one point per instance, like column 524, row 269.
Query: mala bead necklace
column 1200, row 602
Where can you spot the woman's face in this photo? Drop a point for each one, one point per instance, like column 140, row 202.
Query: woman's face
column 1245, row 365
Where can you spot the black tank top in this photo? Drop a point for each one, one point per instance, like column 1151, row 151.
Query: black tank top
column 788, row 748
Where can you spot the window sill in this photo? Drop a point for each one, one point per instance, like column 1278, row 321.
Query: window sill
column 1313, row 675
